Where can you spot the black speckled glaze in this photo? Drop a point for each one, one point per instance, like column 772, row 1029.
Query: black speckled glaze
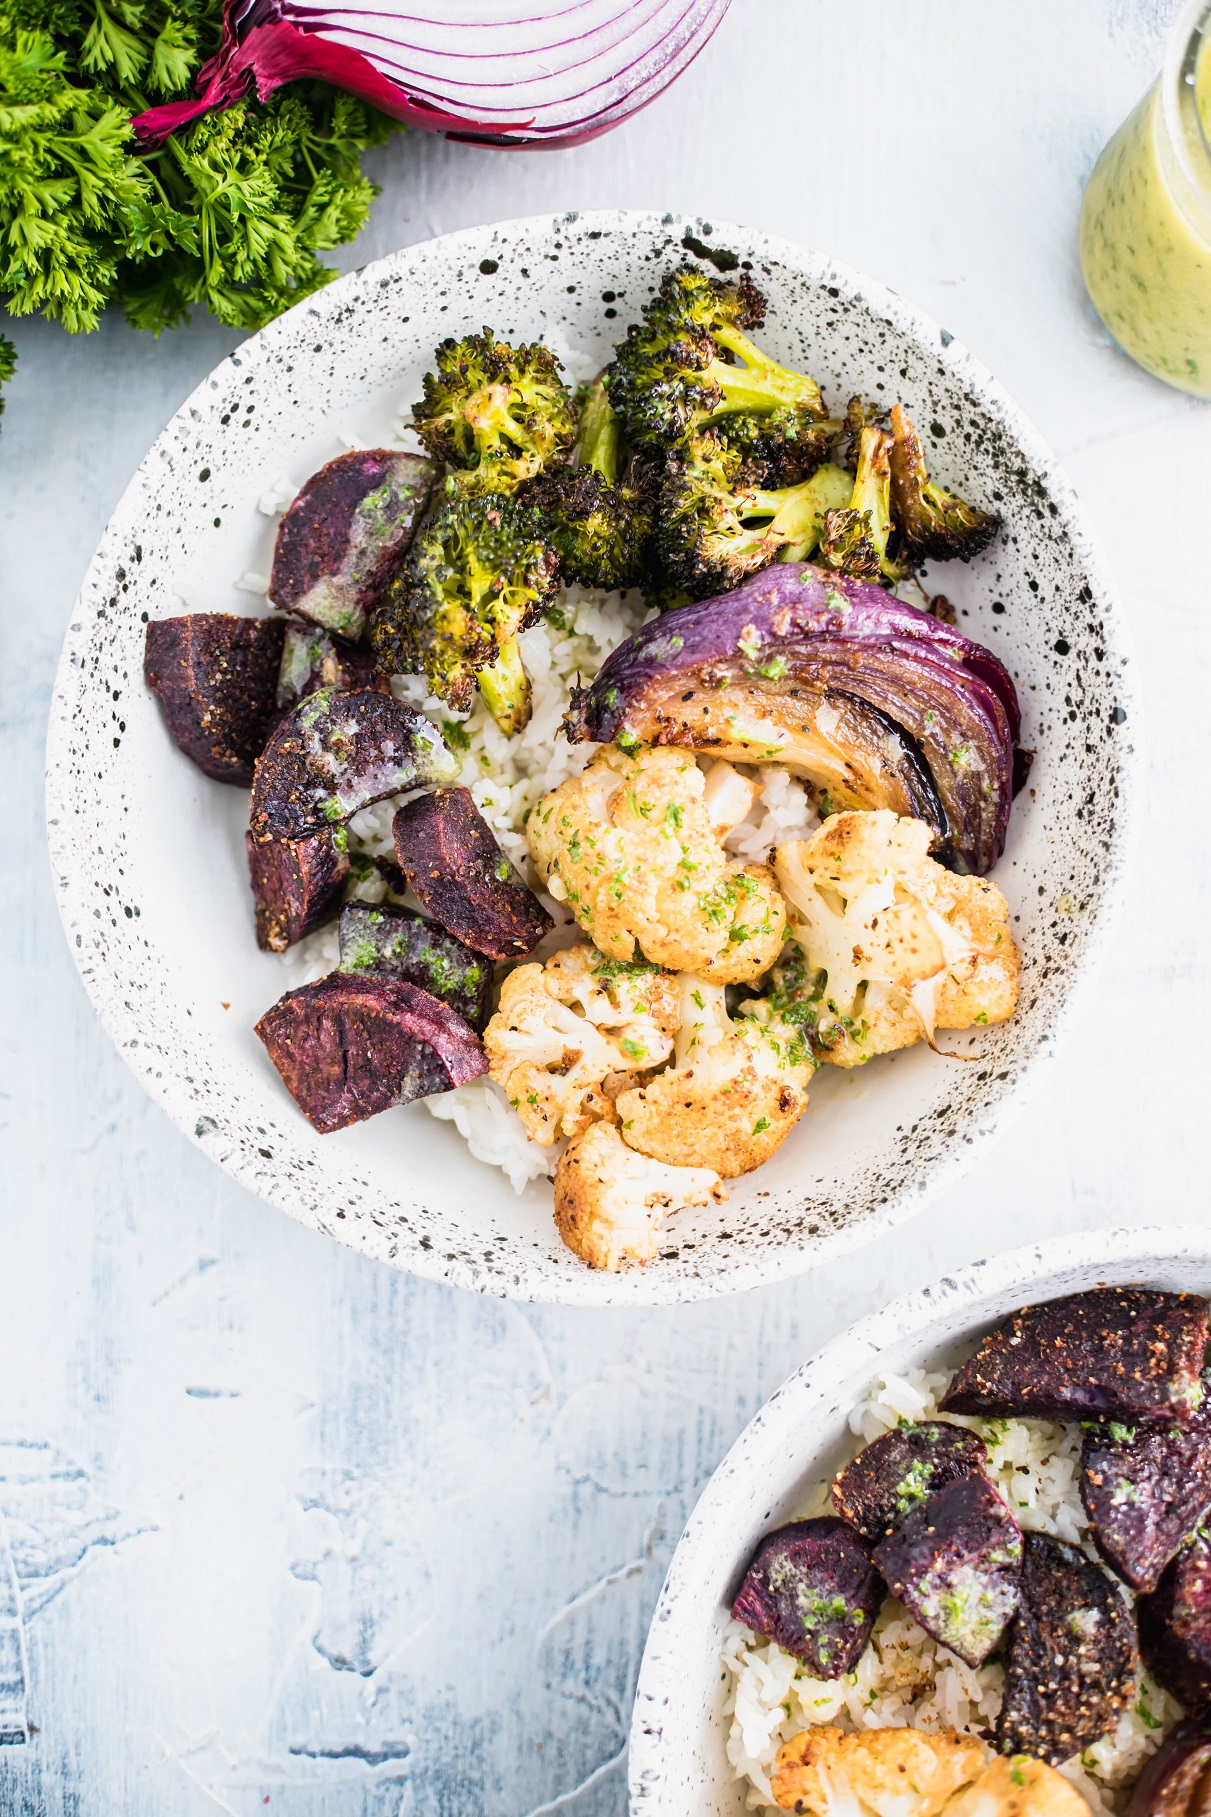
column 403, row 1188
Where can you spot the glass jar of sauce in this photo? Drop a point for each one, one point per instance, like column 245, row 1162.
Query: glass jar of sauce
column 1146, row 218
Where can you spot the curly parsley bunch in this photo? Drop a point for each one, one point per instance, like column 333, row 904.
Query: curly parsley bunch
column 231, row 213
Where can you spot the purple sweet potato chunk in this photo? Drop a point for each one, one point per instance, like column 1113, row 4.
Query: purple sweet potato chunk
column 896, row 1473
column 349, row 1047
column 1175, row 1624
column 345, row 534
column 312, row 659
column 297, row 885
column 1072, row 1662
column 215, row 678
column 394, row 943
column 879, row 704
column 954, row 1563
column 1176, row 1781
column 1145, row 1489
column 336, row 753
column 1116, row 1353
column 460, row 875
column 811, row 1587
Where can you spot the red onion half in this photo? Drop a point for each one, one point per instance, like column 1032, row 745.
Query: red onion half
column 503, row 72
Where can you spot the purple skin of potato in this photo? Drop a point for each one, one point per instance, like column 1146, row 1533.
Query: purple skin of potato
column 954, row 1563
column 215, row 678
column 1116, row 1353
column 1072, row 1662
column 346, row 532
column 1175, row 1625
column 877, row 703
column 811, row 1587
column 1145, row 1490
column 460, row 875
column 297, row 885
column 349, row 1047
column 394, row 943
column 896, row 1473
column 311, row 659
column 334, row 754
column 1176, row 1781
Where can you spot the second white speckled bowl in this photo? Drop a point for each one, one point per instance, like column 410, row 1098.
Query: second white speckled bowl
column 678, row 1764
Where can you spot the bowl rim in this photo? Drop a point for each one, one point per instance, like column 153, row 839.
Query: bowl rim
column 989, row 1287
column 508, row 1278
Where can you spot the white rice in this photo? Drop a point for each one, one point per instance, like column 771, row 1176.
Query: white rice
column 507, row 778
column 905, row 1678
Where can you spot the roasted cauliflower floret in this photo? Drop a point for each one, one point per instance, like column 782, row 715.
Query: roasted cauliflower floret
column 735, row 1093
column 610, row 1201
column 569, row 1034
column 890, row 1772
column 886, row 945
column 1018, row 1785
column 635, row 850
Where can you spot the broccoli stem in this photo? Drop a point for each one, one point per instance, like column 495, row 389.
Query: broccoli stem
column 761, row 384
column 598, row 435
column 798, row 511
column 872, row 494
column 506, row 688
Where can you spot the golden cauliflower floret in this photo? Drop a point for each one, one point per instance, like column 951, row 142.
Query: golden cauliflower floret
column 610, row 1202
column 634, row 848
column 569, row 1034
column 887, row 945
column 736, row 1092
column 1019, row 1786
column 890, row 1772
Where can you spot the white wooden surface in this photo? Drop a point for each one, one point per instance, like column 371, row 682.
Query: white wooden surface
column 282, row 1530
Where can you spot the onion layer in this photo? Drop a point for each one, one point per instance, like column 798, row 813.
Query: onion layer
column 504, row 72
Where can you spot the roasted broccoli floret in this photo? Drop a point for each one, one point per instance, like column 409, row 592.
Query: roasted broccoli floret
column 672, row 375
column 500, row 412
column 934, row 524
column 480, row 570
column 717, row 523
column 859, row 538
column 600, row 525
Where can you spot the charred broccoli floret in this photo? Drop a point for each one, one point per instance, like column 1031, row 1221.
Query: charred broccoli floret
column 500, row 412
column 480, row 569
column 600, row 525
column 717, row 524
column 671, row 375
column 860, row 538
column 933, row 522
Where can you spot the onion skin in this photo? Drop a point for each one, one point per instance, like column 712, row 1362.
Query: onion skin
column 562, row 88
column 878, row 703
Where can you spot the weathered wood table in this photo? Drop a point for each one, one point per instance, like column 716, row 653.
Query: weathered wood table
column 282, row 1530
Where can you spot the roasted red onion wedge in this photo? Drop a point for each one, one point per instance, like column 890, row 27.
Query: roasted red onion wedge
column 880, row 705
column 337, row 753
column 342, row 538
column 347, row 1047
column 215, row 678
column 297, row 885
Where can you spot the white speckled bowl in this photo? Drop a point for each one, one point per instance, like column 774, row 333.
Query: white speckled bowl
column 147, row 852
column 678, row 1763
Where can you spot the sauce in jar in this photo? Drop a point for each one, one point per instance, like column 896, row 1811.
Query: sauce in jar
column 1146, row 219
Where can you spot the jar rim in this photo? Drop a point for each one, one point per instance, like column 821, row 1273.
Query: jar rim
column 1189, row 40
